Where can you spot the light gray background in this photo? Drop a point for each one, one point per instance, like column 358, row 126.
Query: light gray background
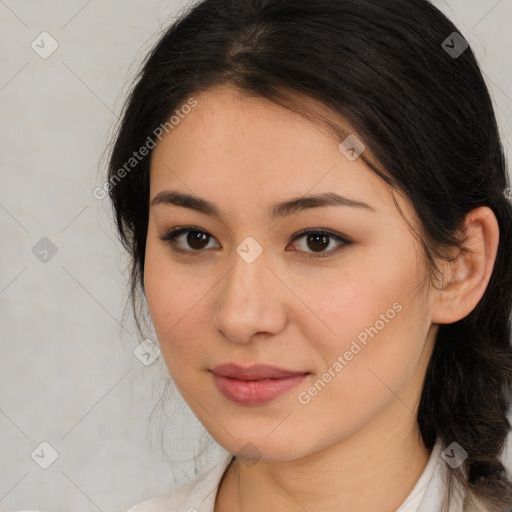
column 68, row 375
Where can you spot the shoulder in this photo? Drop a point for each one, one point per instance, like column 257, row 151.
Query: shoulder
column 198, row 494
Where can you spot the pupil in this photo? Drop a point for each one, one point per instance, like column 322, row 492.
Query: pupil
column 195, row 237
column 315, row 237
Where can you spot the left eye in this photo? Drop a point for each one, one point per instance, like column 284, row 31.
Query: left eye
column 197, row 239
column 319, row 240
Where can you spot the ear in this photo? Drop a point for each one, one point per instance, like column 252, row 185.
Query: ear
column 465, row 279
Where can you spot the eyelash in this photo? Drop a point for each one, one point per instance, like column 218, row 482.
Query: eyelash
column 170, row 238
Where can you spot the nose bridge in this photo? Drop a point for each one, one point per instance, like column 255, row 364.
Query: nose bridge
column 246, row 283
column 244, row 304
column 249, row 270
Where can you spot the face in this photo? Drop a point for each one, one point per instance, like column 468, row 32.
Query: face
column 341, row 311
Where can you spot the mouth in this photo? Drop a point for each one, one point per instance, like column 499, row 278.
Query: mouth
column 256, row 384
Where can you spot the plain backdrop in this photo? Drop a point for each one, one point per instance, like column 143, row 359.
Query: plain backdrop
column 72, row 391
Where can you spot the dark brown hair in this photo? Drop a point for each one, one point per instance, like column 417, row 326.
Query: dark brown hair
column 426, row 116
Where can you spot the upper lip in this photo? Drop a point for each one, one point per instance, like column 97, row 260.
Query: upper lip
column 254, row 372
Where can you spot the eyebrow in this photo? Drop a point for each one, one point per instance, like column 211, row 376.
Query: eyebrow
column 276, row 210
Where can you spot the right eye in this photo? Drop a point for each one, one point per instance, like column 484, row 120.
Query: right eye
column 196, row 239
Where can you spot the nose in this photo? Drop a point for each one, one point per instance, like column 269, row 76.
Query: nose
column 250, row 301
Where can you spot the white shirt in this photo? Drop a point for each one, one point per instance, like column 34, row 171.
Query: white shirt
column 199, row 494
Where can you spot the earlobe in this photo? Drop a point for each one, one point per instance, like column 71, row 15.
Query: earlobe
column 465, row 278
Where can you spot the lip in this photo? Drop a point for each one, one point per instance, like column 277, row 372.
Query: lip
column 255, row 384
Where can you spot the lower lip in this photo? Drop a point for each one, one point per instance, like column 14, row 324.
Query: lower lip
column 254, row 392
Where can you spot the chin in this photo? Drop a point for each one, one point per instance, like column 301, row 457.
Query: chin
column 258, row 447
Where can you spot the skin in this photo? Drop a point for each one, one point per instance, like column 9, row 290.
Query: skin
column 360, row 432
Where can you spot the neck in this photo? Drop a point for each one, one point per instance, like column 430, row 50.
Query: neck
column 374, row 469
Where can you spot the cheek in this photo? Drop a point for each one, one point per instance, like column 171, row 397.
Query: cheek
column 157, row 286
column 362, row 301
column 375, row 354
column 176, row 300
column 373, row 316
column 161, row 293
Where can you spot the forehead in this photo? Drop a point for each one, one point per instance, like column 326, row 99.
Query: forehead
column 224, row 111
column 243, row 148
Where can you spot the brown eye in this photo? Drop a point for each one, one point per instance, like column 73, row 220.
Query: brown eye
column 318, row 241
column 195, row 240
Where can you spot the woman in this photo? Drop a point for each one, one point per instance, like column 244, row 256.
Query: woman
column 313, row 195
